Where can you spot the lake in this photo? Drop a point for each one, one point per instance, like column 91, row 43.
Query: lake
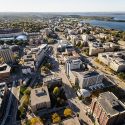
column 107, row 24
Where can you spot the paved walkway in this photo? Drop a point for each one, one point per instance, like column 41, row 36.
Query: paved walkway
column 76, row 105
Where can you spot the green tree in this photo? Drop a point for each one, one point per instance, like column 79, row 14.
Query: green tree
column 56, row 91
column 121, row 75
column 27, row 91
column 21, row 111
column 25, row 100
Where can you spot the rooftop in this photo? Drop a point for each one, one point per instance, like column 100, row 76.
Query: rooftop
column 111, row 104
column 117, row 57
column 39, row 95
column 71, row 121
column 4, row 68
column 90, row 74
column 52, row 78
column 85, row 74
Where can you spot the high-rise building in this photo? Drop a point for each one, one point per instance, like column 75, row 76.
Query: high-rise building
column 72, row 64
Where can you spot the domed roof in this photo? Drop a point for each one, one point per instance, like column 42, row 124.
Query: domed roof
column 21, row 37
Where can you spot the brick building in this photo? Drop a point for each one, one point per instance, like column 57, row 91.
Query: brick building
column 108, row 109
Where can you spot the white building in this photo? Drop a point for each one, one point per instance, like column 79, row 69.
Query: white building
column 87, row 79
column 73, row 38
column 41, row 54
column 36, row 55
column 85, row 37
column 102, row 35
column 72, row 64
column 72, row 32
column 90, row 79
column 83, row 93
column 97, row 47
column 115, row 60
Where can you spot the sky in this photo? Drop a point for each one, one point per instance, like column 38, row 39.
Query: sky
column 62, row 5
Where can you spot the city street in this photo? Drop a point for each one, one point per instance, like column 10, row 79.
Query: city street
column 77, row 106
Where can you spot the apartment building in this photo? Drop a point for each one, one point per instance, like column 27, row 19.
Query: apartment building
column 114, row 60
column 97, row 47
column 108, row 109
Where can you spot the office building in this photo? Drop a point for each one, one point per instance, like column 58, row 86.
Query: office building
column 72, row 63
column 40, row 98
column 108, row 109
column 91, row 80
column 86, row 79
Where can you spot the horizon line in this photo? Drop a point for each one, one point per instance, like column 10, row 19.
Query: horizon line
column 62, row 12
